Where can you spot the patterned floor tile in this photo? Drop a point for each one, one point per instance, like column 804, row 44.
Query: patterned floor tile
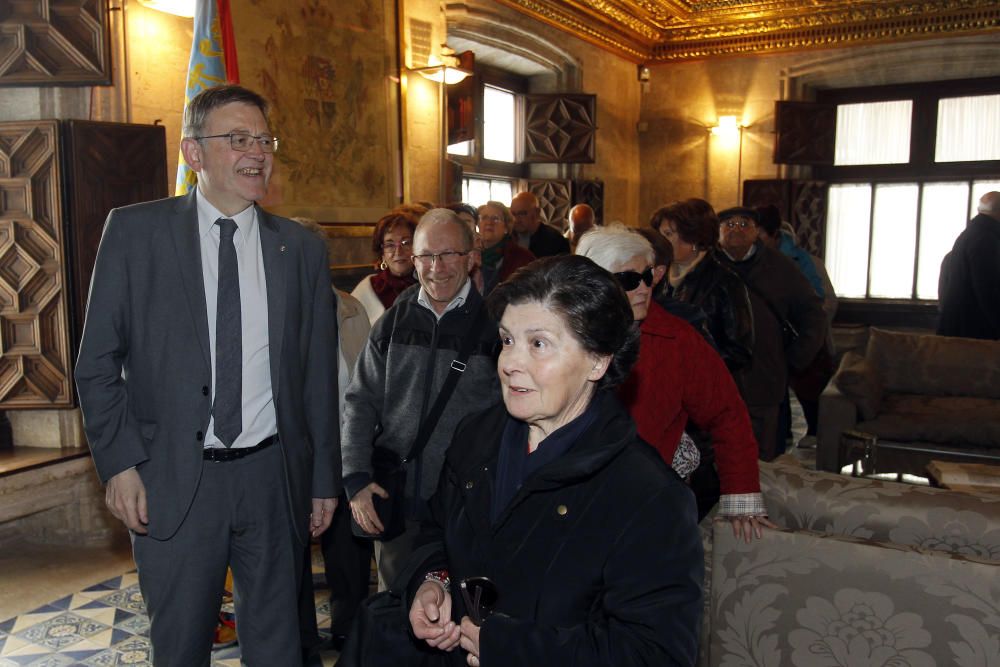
column 106, row 625
column 62, row 630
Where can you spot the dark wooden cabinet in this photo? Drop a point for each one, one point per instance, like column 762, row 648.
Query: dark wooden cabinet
column 106, row 165
column 58, row 180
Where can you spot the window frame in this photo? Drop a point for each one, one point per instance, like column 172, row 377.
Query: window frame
column 921, row 168
column 475, row 164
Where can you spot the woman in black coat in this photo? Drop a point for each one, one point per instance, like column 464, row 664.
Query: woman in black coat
column 697, row 277
column 589, row 539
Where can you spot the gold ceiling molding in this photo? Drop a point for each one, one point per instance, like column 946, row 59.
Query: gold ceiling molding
column 653, row 31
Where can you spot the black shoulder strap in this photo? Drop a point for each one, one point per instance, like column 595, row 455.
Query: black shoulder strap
column 457, row 368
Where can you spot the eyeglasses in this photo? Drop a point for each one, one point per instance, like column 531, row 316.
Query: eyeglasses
column 243, row 141
column 629, row 280
column 390, row 247
column 520, row 214
column 742, row 223
column 448, row 257
column 491, row 218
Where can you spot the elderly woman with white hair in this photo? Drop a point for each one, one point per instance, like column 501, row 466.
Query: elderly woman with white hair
column 679, row 377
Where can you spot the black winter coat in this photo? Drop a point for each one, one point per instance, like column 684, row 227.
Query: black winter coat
column 724, row 298
column 597, row 559
column 970, row 298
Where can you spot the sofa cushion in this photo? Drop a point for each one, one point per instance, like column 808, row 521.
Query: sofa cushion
column 857, row 380
column 935, row 365
column 958, row 421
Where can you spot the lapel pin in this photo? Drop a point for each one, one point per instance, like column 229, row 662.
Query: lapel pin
column 282, row 248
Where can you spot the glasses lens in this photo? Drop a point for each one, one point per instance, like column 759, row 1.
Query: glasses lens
column 240, row 141
column 480, row 596
column 629, row 280
column 647, row 277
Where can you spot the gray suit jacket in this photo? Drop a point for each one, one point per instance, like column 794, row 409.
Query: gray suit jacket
column 144, row 368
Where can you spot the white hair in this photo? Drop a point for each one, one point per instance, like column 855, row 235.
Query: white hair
column 989, row 204
column 613, row 245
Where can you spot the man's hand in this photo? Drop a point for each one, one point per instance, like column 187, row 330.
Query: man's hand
column 363, row 508
column 125, row 496
column 322, row 515
column 430, row 617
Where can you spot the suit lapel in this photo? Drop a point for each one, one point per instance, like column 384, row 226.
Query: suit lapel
column 188, row 248
column 274, row 252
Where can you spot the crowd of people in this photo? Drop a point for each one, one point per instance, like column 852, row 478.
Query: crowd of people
column 558, row 411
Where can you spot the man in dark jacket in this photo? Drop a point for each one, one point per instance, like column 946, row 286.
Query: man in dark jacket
column 970, row 277
column 783, row 302
column 400, row 372
column 529, row 230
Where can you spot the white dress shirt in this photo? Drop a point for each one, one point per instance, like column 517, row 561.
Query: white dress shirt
column 456, row 302
column 259, row 418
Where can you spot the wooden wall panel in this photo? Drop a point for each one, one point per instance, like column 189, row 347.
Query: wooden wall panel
column 54, row 42
column 35, row 368
column 555, row 200
column 107, row 165
column 560, row 128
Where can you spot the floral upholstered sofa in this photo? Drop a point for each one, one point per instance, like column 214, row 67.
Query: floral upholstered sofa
column 909, row 399
column 863, row 573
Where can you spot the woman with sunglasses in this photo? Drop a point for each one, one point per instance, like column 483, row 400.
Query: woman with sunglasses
column 392, row 245
column 679, row 377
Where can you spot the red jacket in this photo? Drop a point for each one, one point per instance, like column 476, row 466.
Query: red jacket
column 679, row 376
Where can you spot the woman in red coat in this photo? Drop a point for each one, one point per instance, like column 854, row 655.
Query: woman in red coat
column 679, row 377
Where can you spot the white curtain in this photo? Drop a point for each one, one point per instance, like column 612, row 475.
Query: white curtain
column 968, row 128
column 873, row 133
column 846, row 258
column 894, row 240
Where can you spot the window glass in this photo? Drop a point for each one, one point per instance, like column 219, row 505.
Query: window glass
column 477, row 190
column 968, row 128
column 873, row 133
column 498, row 124
column 894, row 240
column 942, row 219
column 461, row 148
column 847, row 217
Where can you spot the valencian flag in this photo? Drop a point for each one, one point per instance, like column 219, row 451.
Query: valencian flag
column 213, row 62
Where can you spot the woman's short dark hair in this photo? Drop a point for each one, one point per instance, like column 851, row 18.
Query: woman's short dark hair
column 663, row 252
column 397, row 216
column 769, row 219
column 694, row 219
column 462, row 207
column 590, row 301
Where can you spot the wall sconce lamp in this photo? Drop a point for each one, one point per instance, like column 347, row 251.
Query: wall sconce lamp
column 727, row 127
column 183, row 8
column 450, row 69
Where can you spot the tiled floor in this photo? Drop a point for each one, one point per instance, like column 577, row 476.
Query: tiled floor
column 106, row 624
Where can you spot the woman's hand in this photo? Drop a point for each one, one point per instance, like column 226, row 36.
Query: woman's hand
column 363, row 508
column 430, row 617
column 470, row 641
column 750, row 526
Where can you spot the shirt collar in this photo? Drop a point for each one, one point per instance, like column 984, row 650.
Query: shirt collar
column 207, row 215
column 457, row 302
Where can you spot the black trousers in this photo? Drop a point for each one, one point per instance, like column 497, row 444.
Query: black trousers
column 239, row 518
column 347, row 566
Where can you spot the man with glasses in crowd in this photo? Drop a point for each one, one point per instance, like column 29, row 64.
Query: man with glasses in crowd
column 789, row 323
column 399, row 374
column 529, row 230
column 207, row 378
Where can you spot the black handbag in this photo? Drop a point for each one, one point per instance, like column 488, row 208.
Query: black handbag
column 389, row 469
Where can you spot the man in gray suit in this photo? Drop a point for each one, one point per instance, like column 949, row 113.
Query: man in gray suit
column 207, row 380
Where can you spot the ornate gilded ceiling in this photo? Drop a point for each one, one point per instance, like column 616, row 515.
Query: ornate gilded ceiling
column 670, row 30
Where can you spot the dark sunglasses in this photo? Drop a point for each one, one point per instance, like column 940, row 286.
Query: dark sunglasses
column 480, row 597
column 629, row 280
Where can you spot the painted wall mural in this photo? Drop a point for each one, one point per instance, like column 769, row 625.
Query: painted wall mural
column 329, row 71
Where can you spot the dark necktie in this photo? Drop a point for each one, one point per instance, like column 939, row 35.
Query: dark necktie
column 228, row 408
